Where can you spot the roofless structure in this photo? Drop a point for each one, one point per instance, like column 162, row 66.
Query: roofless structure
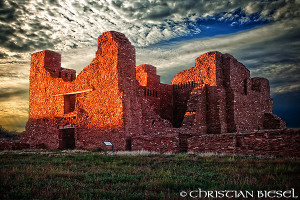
column 214, row 106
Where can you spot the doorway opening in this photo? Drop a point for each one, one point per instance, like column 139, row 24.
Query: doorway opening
column 128, row 144
column 66, row 138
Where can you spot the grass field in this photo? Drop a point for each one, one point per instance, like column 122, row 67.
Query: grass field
column 91, row 175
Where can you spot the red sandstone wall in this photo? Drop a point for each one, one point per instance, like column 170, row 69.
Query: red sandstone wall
column 13, row 145
column 167, row 142
column 181, row 96
column 207, row 70
column 234, row 102
column 111, row 100
column 166, row 101
column 150, row 84
column 195, row 115
column 160, row 95
column 105, row 93
column 268, row 142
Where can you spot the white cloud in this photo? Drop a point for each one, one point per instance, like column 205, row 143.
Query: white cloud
column 62, row 24
column 265, row 51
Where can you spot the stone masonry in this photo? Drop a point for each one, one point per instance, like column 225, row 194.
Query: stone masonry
column 113, row 100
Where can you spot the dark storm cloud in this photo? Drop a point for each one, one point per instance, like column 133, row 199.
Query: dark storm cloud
column 3, row 55
column 7, row 63
column 18, row 33
column 271, row 51
column 7, row 11
column 36, row 25
column 7, row 93
column 285, row 49
column 159, row 10
column 71, row 28
column 7, row 74
column 277, row 59
column 6, row 32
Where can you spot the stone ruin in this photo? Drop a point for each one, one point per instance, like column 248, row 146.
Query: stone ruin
column 213, row 107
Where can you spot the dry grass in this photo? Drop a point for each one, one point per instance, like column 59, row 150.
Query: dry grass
column 137, row 175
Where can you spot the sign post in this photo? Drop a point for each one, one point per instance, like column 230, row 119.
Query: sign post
column 107, row 143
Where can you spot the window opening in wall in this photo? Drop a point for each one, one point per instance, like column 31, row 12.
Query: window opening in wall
column 153, row 122
column 245, row 87
column 59, row 75
column 145, row 91
column 71, row 77
column 69, row 103
column 66, row 75
column 156, row 93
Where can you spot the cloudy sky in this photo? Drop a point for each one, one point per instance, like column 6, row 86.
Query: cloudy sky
column 170, row 34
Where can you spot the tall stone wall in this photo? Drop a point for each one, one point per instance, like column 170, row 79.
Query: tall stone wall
column 159, row 95
column 105, row 106
column 233, row 102
column 166, row 101
column 149, row 82
column 112, row 100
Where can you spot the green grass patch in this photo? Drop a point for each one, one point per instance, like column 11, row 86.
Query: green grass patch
column 91, row 175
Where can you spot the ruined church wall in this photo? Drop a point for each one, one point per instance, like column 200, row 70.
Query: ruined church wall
column 207, row 70
column 195, row 116
column 93, row 138
column 204, row 72
column 149, row 82
column 105, row 93
column 114, row 106
column 44, row 83
column 266, row 142
column 103, row 106
column 164, row 143
column 160, row 95
column 166, row 101
column 112, row 100
column 234, row 101
column 247, row 98
column 216, row 113
column 236, row 83
column 181, row 95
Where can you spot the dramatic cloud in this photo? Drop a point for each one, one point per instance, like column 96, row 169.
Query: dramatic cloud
column 58, row 24
column 271, row 51
column 3, row 55
column 263, row 35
